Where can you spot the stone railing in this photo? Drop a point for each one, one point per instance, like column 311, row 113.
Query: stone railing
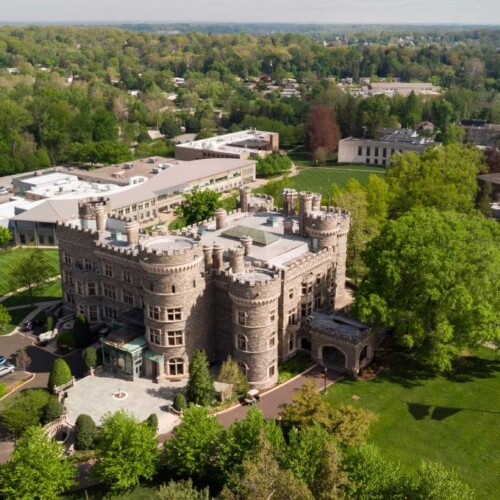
column 51, row 428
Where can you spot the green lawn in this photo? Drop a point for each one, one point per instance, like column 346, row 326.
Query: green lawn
column 301, row 157
column 9, row 258
column 16, row 317
column 49, row 291
column 320, row 179
column 453, row 419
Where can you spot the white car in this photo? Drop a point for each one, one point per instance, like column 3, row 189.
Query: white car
column 6, row 368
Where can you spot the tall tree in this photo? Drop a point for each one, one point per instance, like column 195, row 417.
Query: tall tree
column 198, row 206
column 322, row 130
column 5, row 317
column 31, row 271
column 38, row 468
column 60, row 373
column 230, row 373
column 432, row 278
column 200, row 388
column 23, row 361
column 127, row 451
column 5, row 236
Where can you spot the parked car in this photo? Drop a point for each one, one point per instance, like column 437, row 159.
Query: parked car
column 3, row 360
column 27, row 326
column 6, row 368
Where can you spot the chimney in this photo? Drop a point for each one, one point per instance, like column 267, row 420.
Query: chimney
column 247, row 242
column 236, row 260
column 132, row 229
column 217, row 255
column 220, row 218
column 207, row 252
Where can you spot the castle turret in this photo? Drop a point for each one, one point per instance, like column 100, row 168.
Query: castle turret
column 132, row 229
column 220, row 218
column 247, row 243
column 236, row 259
column 245, row 197
column 254, row 297
column 217, row 257
column 306, row 200
column 207, row 252
column 289, row 198
column 316, row 203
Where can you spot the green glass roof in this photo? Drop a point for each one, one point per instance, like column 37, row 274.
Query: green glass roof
column 153, row 356
column 258, row 236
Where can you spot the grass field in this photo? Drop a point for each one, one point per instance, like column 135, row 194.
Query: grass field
column 453, row 419
column 9, row 259
column 49, row 291
column 320, row 179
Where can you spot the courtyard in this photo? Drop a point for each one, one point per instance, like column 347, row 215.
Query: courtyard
column 97, row 395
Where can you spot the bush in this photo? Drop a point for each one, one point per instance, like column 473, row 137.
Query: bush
column 82, row 331
column 90, row 358
column 54, row 409
column 66, row 339
column 180, row 403
column 86, row 432
column 59, row 374
column 50, row 323
column 152, row 421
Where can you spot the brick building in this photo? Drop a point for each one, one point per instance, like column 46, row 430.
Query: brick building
column 245, row 284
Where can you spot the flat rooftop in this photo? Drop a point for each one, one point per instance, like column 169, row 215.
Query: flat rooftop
column 336, row 324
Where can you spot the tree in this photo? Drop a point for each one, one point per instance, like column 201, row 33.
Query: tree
column 38, row 468
column 198, row 206
column 170, row 127
column 196, row 443
column 435, row 482
column 322, row 130
column 5, row 317
column 372, row 476
column 60, row 374
column 152, row 421
column 273, row 164
column 31, row 271
column 90, row 358
column 127, row 451
column 432, row 279
column 180, row 403
column 53, row 410
column 350, row 425
column 86, row 432
column 182, row 490
column 200, row 387
column 377, row 197
column 5, row 236
column 230, row 373
column 444, row 178
column 24, row 410
column 412, row 111
column 81, row 331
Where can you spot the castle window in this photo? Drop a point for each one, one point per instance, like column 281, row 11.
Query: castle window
column 317, row 300
column 128, row 297
column 272, row 369
column 306, row 288
column 242, row 342
column 272, row 317
column 93, row 315
column 242, row 318
column 306, row 309
column 87, row 264
column 154, row 312
column 127, row 277
column 175, row 338
column 292, row 317
column 69, row 298
column 290, row 293
column 243, row 367
column 79, row 288
column 67, row 258
column 108, row 270
column 176, row 366
column 155, row 336
column 110, row 312
column 91, row 289
column 318, row 279
column 174, row 314
column 291, row 343
column 109, row 291
column 272, row 342
column 194, row 283
column 173, row 288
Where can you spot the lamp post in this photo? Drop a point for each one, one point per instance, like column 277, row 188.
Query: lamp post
column 324, row 376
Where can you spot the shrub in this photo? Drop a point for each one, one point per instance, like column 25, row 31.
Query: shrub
column 59, row 374
column 82, row 331
column 180, row 403
column 53, row 409
column 50, row 323
column 152, row 421
column 230, row 373
column 200, row 388
column 66, row 339
column 90, row 358
column 85, row 432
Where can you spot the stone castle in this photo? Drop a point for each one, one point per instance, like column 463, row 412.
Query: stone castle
column 255, row 284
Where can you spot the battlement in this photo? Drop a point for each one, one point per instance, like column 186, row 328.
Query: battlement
column 309, row 258
column 71, row 225
column 123, row 218
column 330, row 213
column 105, row 245
column 258, row 278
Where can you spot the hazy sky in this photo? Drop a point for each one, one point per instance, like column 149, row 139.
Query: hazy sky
column 296, row 11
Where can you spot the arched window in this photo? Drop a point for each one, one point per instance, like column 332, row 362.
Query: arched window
column 243, row 367
column 173, row 288
column 242, row 342
column 176, row 366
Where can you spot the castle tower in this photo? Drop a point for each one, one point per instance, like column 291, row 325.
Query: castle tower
column 316, row 205
column 341, row 252
column 306, row 200
column 254, row 298
column 93, row 213
column 178, row 314
column 236, row 259
column 132, row 229
column 220, row 218
column 245, row 197
column 289, row 197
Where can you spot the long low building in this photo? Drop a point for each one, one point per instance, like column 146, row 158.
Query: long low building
column 379, row 152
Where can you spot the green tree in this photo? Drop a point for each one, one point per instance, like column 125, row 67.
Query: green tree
column 53, row 410
column 5, row 317
column 350, row 425
column 195, row 444
column 30, row 271
column 180, row 403
column 24, row 410
column 5, row 236
column 182, row 490
column 198, row 206
column 152, row 421
column 273, row 164
column 200, row 387
column 412, row 111
column 432, row 278
column 127, row 451
column 81, row 331
column 86, row 432
column 60, row 374
column 377, row 197
column 90, row 358
column 444, row 178
column 38, row 468
column 435, row 482
column 230, row 373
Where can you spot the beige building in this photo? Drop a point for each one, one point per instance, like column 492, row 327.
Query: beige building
column 245, row 284
column 242, row 145
column 379, row 152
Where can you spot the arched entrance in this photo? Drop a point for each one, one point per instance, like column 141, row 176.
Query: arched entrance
column 333, row 358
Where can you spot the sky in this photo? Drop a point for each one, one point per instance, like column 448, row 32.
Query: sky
column 263, row 11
